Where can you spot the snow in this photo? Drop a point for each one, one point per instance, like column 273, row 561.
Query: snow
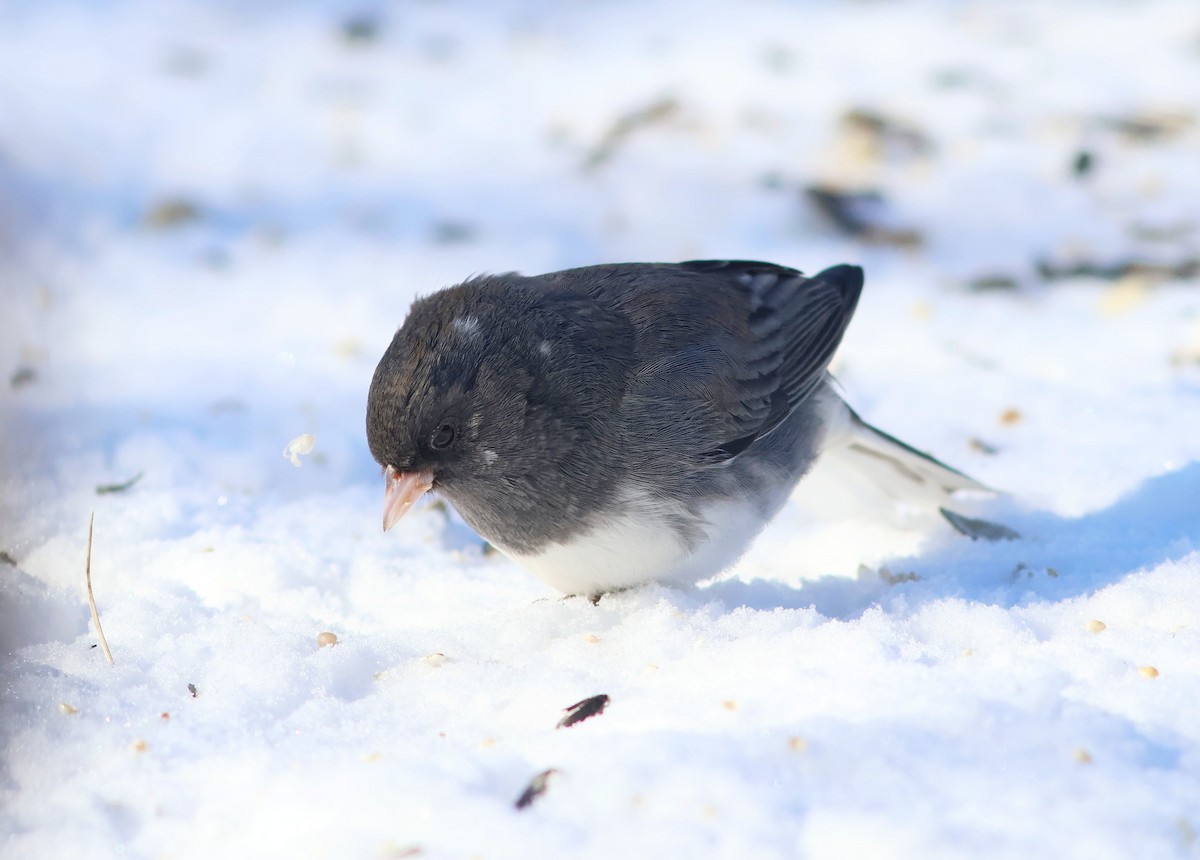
column 213, row 217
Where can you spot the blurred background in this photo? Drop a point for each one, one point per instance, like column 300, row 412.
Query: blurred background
column 213, row 215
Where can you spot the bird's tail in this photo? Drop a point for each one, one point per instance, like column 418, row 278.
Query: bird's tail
column 900, row 471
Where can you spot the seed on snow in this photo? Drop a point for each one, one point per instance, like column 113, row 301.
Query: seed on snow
column 67, row 709
column 326, row 638
column 536, row 788
column 583, row 709
column 1095, row 626
column 1148, row 672
column 437, row 658
column 302, row 444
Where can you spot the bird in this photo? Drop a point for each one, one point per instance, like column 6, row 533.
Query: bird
column 615, row 425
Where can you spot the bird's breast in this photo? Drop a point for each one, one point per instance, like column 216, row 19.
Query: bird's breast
column 645, row 539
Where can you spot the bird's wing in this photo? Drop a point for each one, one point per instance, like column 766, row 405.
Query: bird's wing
column 728, row 349
column 793, row 326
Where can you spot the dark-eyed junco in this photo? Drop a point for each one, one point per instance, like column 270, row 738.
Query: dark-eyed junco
column 611, row 425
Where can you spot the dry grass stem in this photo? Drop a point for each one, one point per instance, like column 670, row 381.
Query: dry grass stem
column 91, row 599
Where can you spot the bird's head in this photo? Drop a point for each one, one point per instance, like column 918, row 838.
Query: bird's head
column 433, row 403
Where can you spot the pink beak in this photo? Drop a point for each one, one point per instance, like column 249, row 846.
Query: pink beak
column 401, row 489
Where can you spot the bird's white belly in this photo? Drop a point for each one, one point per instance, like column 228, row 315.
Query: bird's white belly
column 640, row 545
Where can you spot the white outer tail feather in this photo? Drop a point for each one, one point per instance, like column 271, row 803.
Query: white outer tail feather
column 903, row 474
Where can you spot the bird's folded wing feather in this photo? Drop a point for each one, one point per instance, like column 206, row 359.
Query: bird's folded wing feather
column 738, row 380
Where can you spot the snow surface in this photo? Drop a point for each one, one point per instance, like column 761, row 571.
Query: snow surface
column 212, row 218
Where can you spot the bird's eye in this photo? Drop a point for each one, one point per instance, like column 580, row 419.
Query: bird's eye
column 443, row 438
